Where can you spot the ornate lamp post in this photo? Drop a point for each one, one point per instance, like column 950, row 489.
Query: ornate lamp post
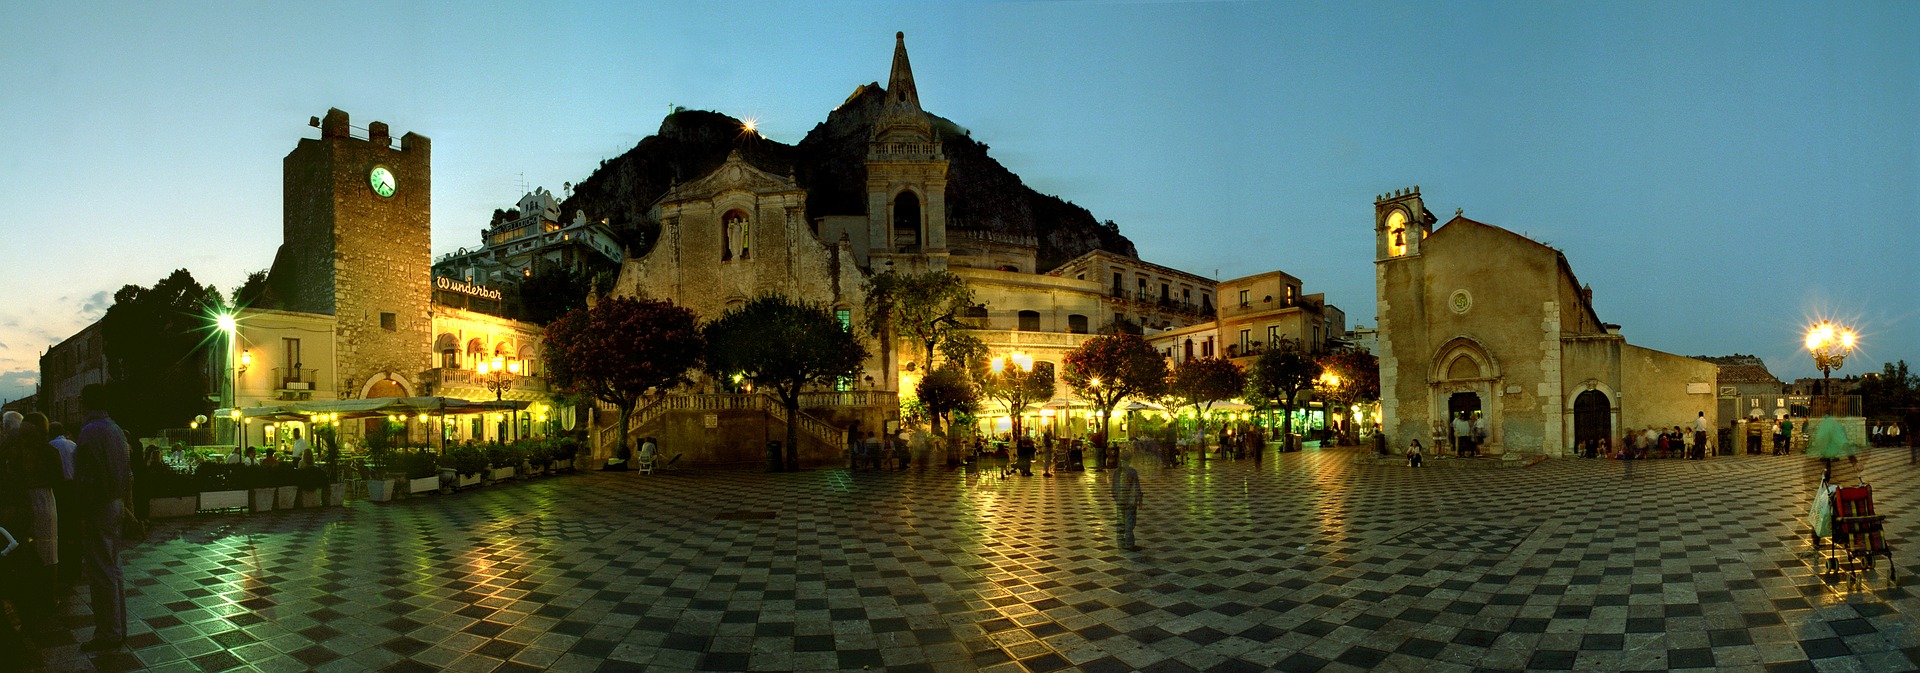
column 495, row 376
column 1829, row 344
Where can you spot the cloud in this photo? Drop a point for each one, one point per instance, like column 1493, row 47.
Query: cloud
column 17, row 384
column 96, row 305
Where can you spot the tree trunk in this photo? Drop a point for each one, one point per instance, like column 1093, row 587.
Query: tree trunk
column 626, row 416
column 1200, row 421
column 1286, row 427
column 792, row 403
column 1106, row 437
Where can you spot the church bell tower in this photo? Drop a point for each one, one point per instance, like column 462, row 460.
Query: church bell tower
column 1400, row 223
column 906, row 179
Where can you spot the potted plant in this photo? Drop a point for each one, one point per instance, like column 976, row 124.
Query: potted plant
column 215, row 481
column 533, row 457
column 382, row 484
column 563, row 452
column 502, row 458
column 286, row 491
column 259, row 484
column 312, row 485
column 170, row 493
column 468, row 463
column 422, row 471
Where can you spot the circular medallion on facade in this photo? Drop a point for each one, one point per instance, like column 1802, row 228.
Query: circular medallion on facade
column 1461, row 301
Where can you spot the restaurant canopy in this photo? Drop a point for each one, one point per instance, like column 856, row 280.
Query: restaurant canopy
column 379, row 406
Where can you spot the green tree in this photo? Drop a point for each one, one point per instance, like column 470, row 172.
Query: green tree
column 1350, row 377
column 1109, row 368
column 1280, row 375
column 162, row 349
column 1202, row 382
column 1017, row 383
column 945, row 391
column 920, row 308
column 1891, row 392
column 551, row 291
column 623, row 351
column 254, row 292
column 786, row 345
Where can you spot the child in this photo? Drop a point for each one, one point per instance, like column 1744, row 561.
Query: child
column 1413, row 454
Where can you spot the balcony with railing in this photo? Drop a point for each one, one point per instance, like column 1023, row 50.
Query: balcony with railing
column 1149, row 300
column 294, row 383
column 904, row 151
column 444, row 379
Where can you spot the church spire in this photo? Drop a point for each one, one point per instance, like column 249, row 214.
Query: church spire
column 900, row 90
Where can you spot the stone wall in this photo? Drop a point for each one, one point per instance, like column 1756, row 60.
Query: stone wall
column 1664, row 390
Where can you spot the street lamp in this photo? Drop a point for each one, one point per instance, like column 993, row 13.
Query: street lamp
column 495, row 375
column 1829, row 344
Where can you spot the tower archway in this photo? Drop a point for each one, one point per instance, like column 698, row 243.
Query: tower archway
column 906, row 222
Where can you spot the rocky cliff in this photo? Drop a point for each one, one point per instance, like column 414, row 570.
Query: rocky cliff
column 829, row 163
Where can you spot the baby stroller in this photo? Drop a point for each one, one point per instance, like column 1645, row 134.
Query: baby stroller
column 1856, row 534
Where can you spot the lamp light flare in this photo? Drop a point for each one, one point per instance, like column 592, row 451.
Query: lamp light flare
column 750, row 125
column 226, row 322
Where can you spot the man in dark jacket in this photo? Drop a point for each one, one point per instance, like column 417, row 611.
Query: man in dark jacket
column 101, row 478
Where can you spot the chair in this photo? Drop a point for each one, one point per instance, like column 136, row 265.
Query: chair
column 645, row 462
column 1859, row 531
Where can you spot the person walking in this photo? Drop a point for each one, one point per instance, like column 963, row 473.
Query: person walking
column 1700, row 428
column 43, row 474
column 101, row 479
column 1127, row 497
column 1627, row 449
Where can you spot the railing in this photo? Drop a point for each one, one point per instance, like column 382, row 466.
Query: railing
column 442, row 378
column 292, row 378
column 850, row 398
column 762, row 402
column 1025, row 338
column 904, row 151
column 991, row 237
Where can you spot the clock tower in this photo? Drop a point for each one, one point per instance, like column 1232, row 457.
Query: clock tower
column 357, row 223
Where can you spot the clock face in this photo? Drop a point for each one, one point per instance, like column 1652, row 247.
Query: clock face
column 382, row 181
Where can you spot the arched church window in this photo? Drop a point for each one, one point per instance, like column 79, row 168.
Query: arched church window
column 906, row 222
column 1397, row 233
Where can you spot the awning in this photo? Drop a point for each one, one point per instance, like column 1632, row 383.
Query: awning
column 379, row 406
column 1138, row 405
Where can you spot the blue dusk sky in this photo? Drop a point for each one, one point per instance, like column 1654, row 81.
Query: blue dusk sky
column 1720, row 173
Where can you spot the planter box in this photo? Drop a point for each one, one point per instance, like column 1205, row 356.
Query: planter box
column 423, row 485
column 263, row 499
column 336, row 494
column 163, row 508
column 467, row 480
column 381, row 490
column 500, row 473
column 566, row 464
column 313, row 497
column 286, row 497
column 223, row 499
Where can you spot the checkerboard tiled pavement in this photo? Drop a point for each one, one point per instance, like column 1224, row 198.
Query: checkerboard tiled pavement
column 1311, row 562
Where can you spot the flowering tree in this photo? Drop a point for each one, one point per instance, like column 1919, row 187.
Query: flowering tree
column 1279, row 376
column 1349, row 376
column 1112, row 367
column 786, row 345
column 1201, row 382
column 622, row 351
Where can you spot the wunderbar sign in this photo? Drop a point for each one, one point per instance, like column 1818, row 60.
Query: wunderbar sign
column 466, row 288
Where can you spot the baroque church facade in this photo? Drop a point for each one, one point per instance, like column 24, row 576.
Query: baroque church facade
column 1480, row 322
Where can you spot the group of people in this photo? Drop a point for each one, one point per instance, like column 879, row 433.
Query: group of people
column 895, row 450
column 296, row 453
column 61, row 503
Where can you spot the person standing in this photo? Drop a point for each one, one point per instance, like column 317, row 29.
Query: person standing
column 1700, row 436
column 101, row 478
column 63, row 497
column 1127, row 497
column 41, row 463
column 1462, row 436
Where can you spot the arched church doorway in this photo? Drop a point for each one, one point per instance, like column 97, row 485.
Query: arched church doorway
column 1462, row 407
column 1592, row 418
column 906, row 222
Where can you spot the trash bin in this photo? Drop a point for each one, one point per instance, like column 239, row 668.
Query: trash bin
column 774, row 460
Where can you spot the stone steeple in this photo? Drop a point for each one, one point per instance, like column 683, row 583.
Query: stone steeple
column 900, row 89
column 902, row 120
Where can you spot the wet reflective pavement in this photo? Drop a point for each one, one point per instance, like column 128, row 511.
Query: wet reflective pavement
column 1314, row 561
